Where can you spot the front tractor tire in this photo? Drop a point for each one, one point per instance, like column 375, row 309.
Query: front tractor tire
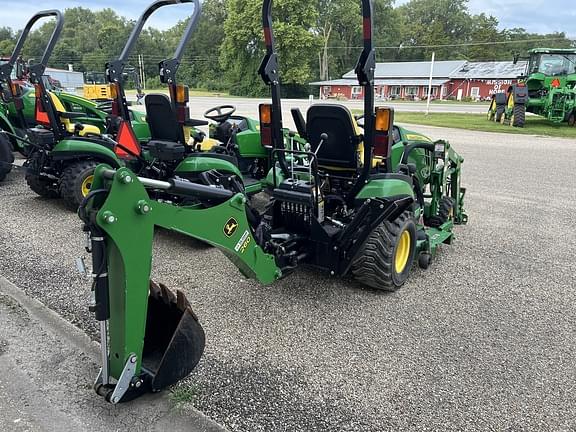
column 445, row 213
column 6, row 156
column 76, row 182
column 385, row 260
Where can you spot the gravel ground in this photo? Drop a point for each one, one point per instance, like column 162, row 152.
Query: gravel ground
column 484, row 339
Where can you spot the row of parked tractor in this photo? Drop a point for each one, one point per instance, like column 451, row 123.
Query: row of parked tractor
column 547, row 89
column 354, row 196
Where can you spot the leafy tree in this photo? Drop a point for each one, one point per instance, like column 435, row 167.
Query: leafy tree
column 434, row 22
column 242, row 48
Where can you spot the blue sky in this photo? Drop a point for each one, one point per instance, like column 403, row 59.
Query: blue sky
column 534, row 15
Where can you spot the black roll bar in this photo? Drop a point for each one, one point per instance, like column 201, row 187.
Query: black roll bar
column 168, row 67
column 269, row 73
column 364, row 69
column 36, row 70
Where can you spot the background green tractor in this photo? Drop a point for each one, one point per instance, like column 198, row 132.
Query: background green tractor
column 66, row 152
column 94, row 113
column 548, row 89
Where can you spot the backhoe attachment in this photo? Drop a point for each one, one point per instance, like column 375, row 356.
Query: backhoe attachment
column 150, row 337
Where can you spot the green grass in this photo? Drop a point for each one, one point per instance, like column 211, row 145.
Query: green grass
column 441, row 102
column 182, row 395
column 478, row 122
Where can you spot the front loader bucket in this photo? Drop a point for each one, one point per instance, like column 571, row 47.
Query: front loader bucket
column 174, row 339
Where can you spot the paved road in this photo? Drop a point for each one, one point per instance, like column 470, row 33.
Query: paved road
column 249, row 107
column 483, row 340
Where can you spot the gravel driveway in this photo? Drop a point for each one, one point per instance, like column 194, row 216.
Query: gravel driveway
column 485, row 339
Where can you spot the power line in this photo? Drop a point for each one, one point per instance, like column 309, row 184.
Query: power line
column 519, row 41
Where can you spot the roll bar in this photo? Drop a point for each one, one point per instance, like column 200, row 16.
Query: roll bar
column 364, row 69
column 268, row 71
column 37, row 70
column 168, row 67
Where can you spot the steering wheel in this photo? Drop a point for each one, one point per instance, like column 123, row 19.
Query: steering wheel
column 221, row 113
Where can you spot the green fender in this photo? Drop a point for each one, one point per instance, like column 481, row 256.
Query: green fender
column 75, row 148
column 385, row 188
column 196, row 164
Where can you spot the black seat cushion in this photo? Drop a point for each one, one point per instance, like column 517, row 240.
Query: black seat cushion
column 162, row 119
column 340, row 150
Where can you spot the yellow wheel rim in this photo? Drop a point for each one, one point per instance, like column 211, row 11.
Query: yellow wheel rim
column 402, row 252
column 86, row 185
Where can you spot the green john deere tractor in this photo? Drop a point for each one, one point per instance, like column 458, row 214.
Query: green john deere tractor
column 548, row 89
column 363, row 204
column 65, row 153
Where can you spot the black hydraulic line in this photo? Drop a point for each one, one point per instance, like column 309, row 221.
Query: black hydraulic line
column 365, row 73
column 101, row 306
column 186, row 188
column 269, row 72
column 409, row 148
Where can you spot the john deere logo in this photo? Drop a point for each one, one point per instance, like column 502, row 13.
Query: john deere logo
column 230, row 227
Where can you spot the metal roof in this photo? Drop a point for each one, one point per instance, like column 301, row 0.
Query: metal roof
column 553, row 50
column 442, row 69
column 336, row 82
column 490, row 70
column 389, row 82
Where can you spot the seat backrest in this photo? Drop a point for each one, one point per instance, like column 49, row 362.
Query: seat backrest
column 162, row 119
column 340, row 150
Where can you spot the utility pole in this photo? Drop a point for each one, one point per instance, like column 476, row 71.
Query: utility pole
column 430, row 83
column 141, row 67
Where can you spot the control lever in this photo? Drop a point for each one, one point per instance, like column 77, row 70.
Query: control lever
column 323, row 137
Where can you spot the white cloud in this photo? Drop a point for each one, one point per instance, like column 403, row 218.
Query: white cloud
column 539, row 16
column 15, row 13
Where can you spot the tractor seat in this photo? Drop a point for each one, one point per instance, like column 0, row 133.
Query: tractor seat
column 66, row 118
column 162, row 119
column 340, row 151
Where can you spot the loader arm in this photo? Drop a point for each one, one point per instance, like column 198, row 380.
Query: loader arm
column 121, row 213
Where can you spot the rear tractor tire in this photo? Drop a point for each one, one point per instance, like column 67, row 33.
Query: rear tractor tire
column 572, row 119
column 38, row 184
column 518, row 116
column 500, row 116
column 76, row 182
column 385, row 260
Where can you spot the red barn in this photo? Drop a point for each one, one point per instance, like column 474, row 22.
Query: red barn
column 409, row 80
column 481, row 80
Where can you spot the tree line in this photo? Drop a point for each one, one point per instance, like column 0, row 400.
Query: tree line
column 317, row 40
